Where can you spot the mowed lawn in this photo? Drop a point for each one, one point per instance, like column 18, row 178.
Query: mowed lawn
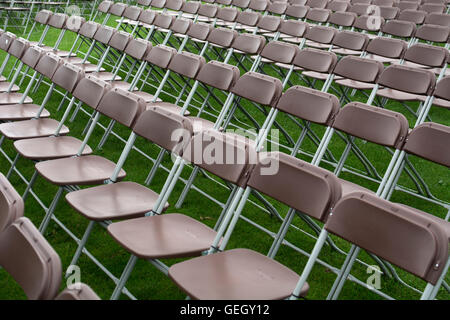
column 146, row 282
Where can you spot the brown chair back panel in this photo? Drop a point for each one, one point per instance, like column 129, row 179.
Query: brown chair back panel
column 90, row 90
column 200, row 31
column 309, row 189
column 132, row 13
column 58, row 20
column 259, row 88
column 119, row 40
column 430, row 141
column 147, row 16
column 248, row 18
column 428, row 55
column 30, row 260
column 359, row 69
column 401, row 236
column 294, row 28
column 249, row 43
column 88, row 29
column 218, row 75
column 186, row 64
column 377, row 125
column 351, row 40
column 168, row 130
column 309, row 104
column 412, row 80
column 280, row 51
column 387, row 47
column 11, row 204
column 269, row 23
column 18, row 47
column 222, row 36
column 43, row 16
column 32, row 55
column 48, row 64
column 67, row 76
column 316, row 60
column 138, row 48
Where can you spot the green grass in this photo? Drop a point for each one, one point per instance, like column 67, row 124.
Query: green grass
column 148, row 283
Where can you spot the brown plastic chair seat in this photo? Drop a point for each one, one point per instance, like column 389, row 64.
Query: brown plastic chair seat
column 105, row 76
column 122, row 85
column 60, row 53
column 165, row 236
column 48, row 148
column 168, row 106
column 146, row 96
column 441, row 103
column 348, row 187
column 33, row 128
column 13, row 98
column 317, row 75
column 73, row 60
column 400, row 95
column 440, row 221
column 200, row 124
column 2, row 78
column 346, row 52
column 238, row 274
column 4, row 87
column 83, row 170
column 355, row 84
column 381, row 58
column 286, row 66
column 294, row 40
column 17, row 112
column 89, row 67
column 122, row 200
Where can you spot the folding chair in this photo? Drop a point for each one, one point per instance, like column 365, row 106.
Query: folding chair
column 386, row 50
column 239, row 276
column 413, row 240
column 172, row 239
column 34, row 264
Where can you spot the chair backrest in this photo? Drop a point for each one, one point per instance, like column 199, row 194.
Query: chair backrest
column 408, row 5
column 104, row 6
column 293, row 28
column 321, row 34
column 249, row 43
column 32, row 55
column 226, row 155
column 104, row 34
column 259, row 88
column 359, row 69
column 119, row 40
column 428, row 55
column 434, row 33
column 132, row 13
column 90, row 90
column 190, row 7
column 187, row 64
column 269, row 23
column 200, row 31
column 442, row 89
column 169, row 130
column 412, row 80
column 387, row 47
column 58, row 20
column 122, row 106
column 218, row 75
column 174, row 5
column 351, row 40
column 280, row 51
column 409, row 239
column 6, row 39
column 88, row 29
column 309, row 104
column 364, row 121
column 223, row 37
column 208, row 10
column 30, row 260
column 441, row 19
column 48, row 64
column 163, row 20
column 11, row 204
column 433, row 7
column 157, row 3
column 117, row 9
column 227, row 14
column 18, row 47
column 147, row 16
column 258, row 5
column 307, row 188
column 74, row 23
column 404, row 29
column 248, row 18
column 415, row 16
column 429, row 140
column 321, row 4
column 277, row 7
column 297, row 11
column 318, row 15
column 366, row 22
column 138, row 48
column 316, row 60
column 67, row 76
column 338, row 6
column 344, row 19
column 181, row 25
column 43, row 16
column 160, row 56
column 389, row 13
column 243, row 4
